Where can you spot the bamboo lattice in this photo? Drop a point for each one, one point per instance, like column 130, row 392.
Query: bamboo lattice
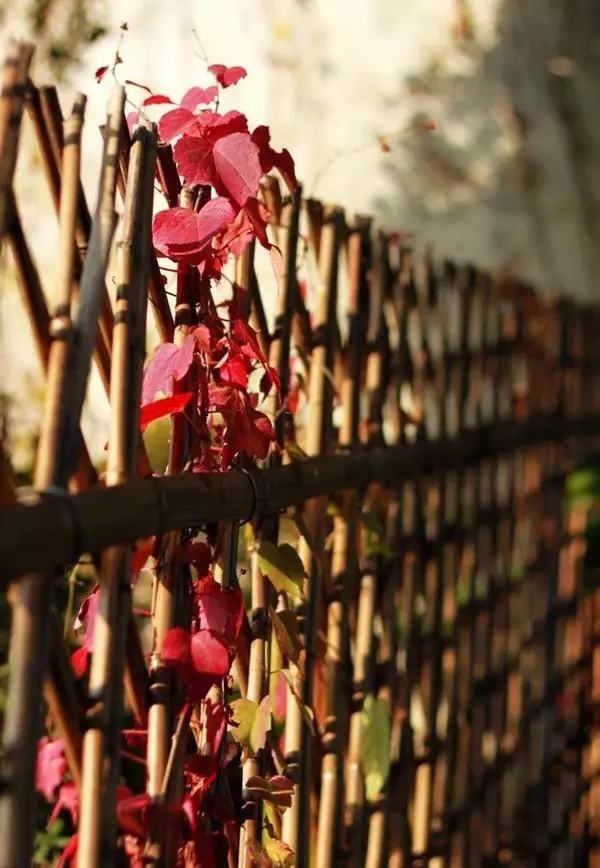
column 445, row 591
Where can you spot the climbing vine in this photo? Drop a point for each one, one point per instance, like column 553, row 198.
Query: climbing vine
column 213, row 377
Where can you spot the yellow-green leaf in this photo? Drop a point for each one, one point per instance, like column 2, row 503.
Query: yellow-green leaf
column 243, row 717
column 251, row 723
column 296, row 452
column 282, row 566
column 279, row 853
column 375, row 745
column 286, row 628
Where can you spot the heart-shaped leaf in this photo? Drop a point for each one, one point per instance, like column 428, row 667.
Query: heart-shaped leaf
column 282, row 566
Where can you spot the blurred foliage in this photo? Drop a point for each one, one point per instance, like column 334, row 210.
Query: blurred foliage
column 61, row 29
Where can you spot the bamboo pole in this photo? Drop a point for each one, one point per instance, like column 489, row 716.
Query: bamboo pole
column 101, row 745
column 343, row 568
column 169, row 588
column 298, row 740
column 279, row 351
column 136, row 510
column 30, row 599
column 92, row 286
column 14, row 87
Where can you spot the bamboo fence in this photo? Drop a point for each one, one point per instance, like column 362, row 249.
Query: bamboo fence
column 445, row 579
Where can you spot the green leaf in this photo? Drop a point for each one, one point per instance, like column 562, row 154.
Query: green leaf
column 296, row 452
column 244, row 714
column 282, row 566
column 583, row 485
column 252, row 723
column 374, row 535
column 375, row 745
column 286, row 628
column 279, row 853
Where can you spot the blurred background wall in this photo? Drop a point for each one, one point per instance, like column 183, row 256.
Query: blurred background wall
column 472, row 124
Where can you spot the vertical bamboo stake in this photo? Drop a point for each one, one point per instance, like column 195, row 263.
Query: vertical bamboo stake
column 343, row 565
column 279, row 351
column 101, row 745
column 92, row 285
column 297, row 736
column 30, row 597
column 14, row 85
column 167, row 591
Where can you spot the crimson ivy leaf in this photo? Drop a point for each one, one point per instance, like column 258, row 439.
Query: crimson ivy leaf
column 220, row 610
column 163, row 407
column 271, row 159
column 185, row 235
column 176, row 649
column 210, row 655
column 227, row 75
column 173, row 123
column 157, row 99
column 51, row 766
column 238, row 166
column 196, row 96
column 258, row 216
column 133, row 119
column 100, row 73
column 194, row 159
column 170, row 362
column 68, row 800
column 199, row 555
column 86, row 617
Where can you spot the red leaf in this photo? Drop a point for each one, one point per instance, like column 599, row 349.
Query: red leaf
column 176, row 647
column 220, row 610
column 245, row 336
column 132, row 814
column 157, row 99
column 69, row 854
column 216, row 126
column 140, row 554
column 169, row 362
column 87, row 616
column 196, row 96
column 199, row 555
column 194, row 159
column 174, row 123
column 203, row 338
column 235, row 369
column 163, row 407
column 68, row 800
column 133, row 119
column 79, row 661
column 271, row 159
column 185, row 235
column 227, row 75
column 258, row 214
column 210, row 655
column 100, row 73
column 236, row 236
column 51, row 766
column 237, row 165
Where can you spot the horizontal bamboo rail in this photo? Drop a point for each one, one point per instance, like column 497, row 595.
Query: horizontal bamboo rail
column 80, row 523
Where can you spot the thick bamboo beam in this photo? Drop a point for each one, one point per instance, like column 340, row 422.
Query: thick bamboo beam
column 88, row 521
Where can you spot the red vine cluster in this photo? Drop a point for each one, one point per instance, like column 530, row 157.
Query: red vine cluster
column 216, row 374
